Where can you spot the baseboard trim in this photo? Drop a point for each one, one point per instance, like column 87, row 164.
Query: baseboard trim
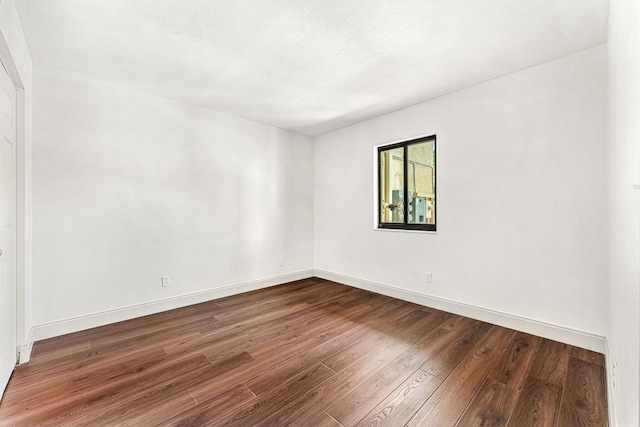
column 24, row 351
column 79, row 323
column 532, row 326
column 611, row 402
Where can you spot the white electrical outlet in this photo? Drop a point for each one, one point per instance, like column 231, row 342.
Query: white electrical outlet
column 166, row 281
column 428, row 279
column 281, row 261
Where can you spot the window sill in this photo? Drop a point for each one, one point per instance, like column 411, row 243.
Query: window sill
column 399, row 230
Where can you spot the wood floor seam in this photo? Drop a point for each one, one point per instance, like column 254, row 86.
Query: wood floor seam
column 328, row 368
column 339, row 423
column 250, row 391
column 194, row 399
column 469, row 404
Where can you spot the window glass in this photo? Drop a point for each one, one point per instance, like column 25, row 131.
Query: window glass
column 392, row 191
column 421, row 183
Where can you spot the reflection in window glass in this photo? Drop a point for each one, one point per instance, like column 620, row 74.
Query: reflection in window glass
column 407, row 172
column 421, row 183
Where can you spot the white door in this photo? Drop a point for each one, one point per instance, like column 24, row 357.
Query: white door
column 7, row 229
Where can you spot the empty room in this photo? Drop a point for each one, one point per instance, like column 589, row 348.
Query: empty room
column 320, row 213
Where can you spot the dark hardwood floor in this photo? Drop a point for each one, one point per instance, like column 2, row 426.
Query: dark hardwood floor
column 312, row 353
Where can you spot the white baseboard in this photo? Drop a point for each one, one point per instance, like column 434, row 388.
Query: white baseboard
column 531, row 326
column 24, row 350
column 536, row 327
column 611, row 402
column 75, row 324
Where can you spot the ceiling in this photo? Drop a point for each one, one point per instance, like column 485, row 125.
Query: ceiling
column 310, row 66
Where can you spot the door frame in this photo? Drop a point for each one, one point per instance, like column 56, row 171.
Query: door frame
column 24, row 312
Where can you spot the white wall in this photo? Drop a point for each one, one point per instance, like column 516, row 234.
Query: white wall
column 129, row 186
column 624, row 208
column 16, row 59
column 521, row 197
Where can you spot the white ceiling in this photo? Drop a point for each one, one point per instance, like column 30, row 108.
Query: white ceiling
column 310, row 66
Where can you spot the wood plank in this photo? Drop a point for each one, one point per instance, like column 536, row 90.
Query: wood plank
column 491, row 406
column 307, row 407
column 325, row 420
column 361, row 399
column 209, row 410
column 393, row 328
column 514, row 366
column 38, row 378
column 319, row 332
column 584, row 397
column 497, row 397
column 124, row 415
column 449, row 401
column 588, row 355
column 538, row 405
column 468, row 332
column 164, row 394
column 67, row 403
column 264, row 381
column 397, row 408
column 243, row 374
column 262, row 406
column 113, row 375
column 551, row 362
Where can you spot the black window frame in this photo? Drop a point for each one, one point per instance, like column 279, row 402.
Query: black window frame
column 405, row 225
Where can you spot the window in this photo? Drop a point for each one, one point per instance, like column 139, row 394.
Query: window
column 407, row 172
